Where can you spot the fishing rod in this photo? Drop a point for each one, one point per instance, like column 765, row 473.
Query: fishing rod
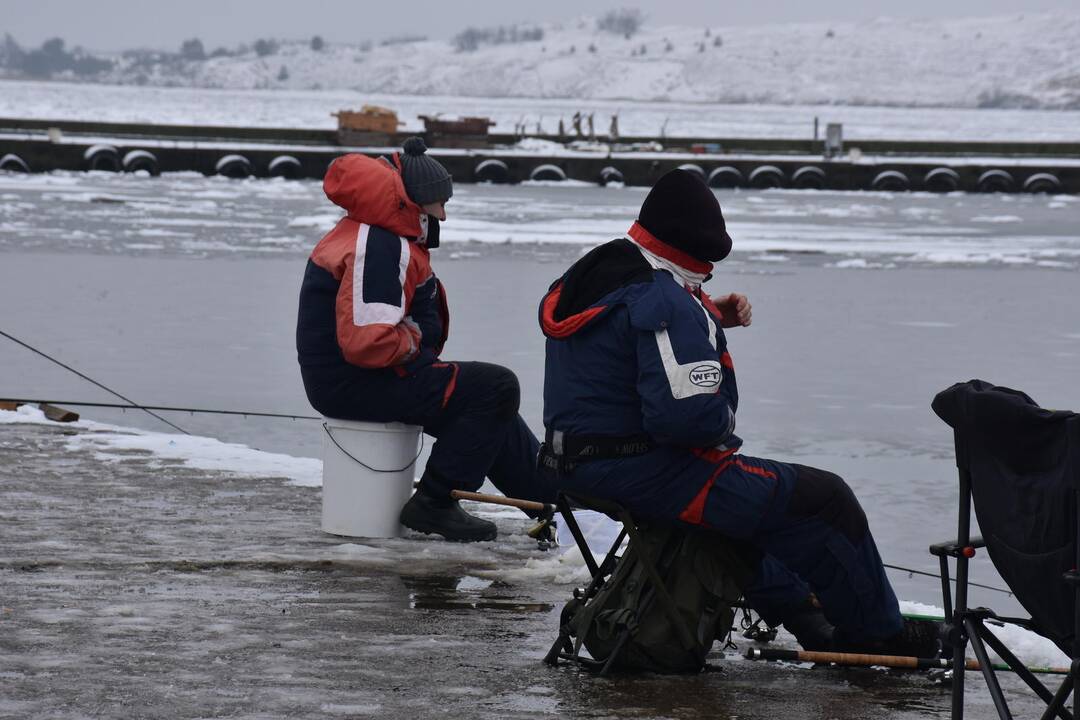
column 89, row 379
column 895, row 661
column 165, row 408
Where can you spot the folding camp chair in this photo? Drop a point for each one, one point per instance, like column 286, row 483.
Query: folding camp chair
column 566, row 649
column 1020, row 466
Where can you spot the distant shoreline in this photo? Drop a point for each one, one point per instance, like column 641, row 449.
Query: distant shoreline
column 662, row 100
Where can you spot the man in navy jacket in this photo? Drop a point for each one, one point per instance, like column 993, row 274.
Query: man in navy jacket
column 640, row 402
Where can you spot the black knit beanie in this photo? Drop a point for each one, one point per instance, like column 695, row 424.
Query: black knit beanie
column 682, row 212
column 426, row 180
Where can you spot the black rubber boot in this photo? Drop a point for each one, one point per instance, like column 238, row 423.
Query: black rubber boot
column 428, row 513
column 810, row 628
column 918, row 638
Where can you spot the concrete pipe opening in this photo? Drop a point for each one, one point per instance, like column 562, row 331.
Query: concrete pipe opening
column 767, row 176
column 13, row 163
column 1042, row 183
column 808, row 178
column 141, row 161
column 942, row 180
column 609, row 175
column 236, row 167
column 105, row 158
column 550, row 173
column 995, row 181
column 692, row 168
column 891, row 181
column 285, row 166
column 492, row 171
column 726, row 177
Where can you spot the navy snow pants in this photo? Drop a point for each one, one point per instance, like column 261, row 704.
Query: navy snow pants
column 814, row 536
column 470, row 408
column 807, row 524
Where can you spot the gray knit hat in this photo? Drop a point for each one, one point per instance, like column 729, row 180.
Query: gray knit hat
column 426, row 180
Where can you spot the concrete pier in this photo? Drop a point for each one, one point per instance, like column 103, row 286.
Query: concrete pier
column 42, row 146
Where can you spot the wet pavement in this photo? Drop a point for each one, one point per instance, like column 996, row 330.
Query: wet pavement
column 136, row 587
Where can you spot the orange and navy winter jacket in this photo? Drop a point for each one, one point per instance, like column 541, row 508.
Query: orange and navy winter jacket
column 369, row 297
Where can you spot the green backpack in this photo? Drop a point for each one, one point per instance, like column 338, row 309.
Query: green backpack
column 703, row 574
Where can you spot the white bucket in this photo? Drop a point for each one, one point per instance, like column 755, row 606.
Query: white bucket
column 361, row 501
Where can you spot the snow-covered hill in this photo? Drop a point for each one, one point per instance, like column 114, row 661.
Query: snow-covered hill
column 1009, row 61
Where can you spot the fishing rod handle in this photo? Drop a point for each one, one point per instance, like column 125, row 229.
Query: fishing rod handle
column 499, row 500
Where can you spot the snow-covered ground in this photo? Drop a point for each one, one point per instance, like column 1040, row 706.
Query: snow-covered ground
column 1015, row 60
column 109, row 443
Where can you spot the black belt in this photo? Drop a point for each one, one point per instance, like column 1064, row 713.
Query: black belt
column 561, row 452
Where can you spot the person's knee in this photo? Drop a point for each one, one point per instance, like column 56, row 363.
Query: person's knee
column 825, row 496
column 489, row 390
column 507, row 393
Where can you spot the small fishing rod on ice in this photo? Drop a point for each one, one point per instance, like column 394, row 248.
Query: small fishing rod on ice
column 164, row 408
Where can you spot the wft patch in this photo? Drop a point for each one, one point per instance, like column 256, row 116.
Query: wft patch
column 706, row 376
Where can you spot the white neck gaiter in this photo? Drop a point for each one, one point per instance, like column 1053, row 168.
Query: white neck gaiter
column 688, row 278
column 421, row 239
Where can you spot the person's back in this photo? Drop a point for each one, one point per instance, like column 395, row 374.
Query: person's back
column 633, row 355
column 366, row 283
column 371, row 326
column 639, row 405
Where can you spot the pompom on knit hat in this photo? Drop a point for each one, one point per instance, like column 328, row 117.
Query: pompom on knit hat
column 426, row 180
column 681, row 211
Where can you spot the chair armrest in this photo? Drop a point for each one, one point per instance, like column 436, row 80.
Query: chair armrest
column 953, row 549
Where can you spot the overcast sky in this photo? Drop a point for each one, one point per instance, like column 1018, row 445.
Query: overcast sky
column 119, row 24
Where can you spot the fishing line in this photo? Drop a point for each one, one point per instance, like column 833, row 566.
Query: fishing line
column 167, row 408
column 935, row 575
column 134, row 404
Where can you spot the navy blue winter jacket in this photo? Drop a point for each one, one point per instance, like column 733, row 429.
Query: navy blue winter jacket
column 630, row 351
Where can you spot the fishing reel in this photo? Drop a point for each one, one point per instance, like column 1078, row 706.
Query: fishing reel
column 545, row 530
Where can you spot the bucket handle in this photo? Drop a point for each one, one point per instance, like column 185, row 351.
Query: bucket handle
column 365, row 465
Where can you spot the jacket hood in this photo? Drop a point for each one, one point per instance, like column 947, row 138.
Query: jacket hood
column 584, row 293
column 371, row 192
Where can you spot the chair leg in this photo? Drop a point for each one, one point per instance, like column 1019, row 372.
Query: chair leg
column 1057, row 704
column 571, row 523
column 946, row 591
column 1020, row 669
column 563, row 647
column 971, row 626
column 963, row 535
column 959, row 667
column 552, row 657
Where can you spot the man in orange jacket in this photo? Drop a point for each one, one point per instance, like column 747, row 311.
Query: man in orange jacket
column 373, row 320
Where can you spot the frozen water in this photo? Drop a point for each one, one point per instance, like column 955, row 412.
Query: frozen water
column 189, row 215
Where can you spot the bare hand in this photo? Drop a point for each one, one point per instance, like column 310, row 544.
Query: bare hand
column 735, row 308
